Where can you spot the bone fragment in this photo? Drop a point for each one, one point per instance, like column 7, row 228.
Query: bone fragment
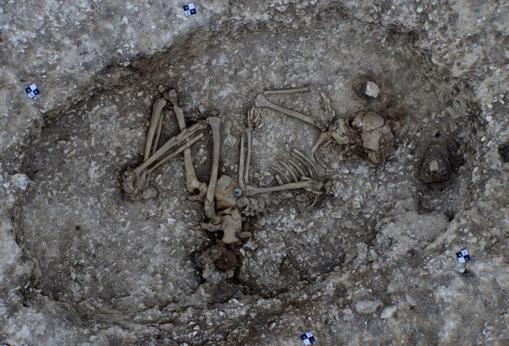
column 135, row 179
column 182, row 148
column 253, row 121
column 242, row 164
column 231, row 223
column 286, row 91
column 308, row 185
column 368, row 121
column 172, row 142
column 224, row 194
column 289, row 170
column 282, row 175
column 261, row 101
column 215, row 123
column 324, row 137
column 326, row 100
column 313, row 171
column 193, row 185
column 158, row 131
column 157, row 110
column 297, row 168
column 371, row 140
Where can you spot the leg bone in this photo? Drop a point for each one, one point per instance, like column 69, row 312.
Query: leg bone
column 155, row 123
column 215, row 123
column 171, row 155
column 193, row 185
column 135, row 179
column 172, row 142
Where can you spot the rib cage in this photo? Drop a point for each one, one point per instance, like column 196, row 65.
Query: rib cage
column 294, row 169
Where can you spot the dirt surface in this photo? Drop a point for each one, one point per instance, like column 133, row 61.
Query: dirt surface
column 371, row 261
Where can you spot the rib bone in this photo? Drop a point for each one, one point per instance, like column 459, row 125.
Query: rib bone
column 261, row 101
column 193, row 185
column 282, row 175
column 215, row 123
column 313, row 171
column 289, row 170
column 297, row 168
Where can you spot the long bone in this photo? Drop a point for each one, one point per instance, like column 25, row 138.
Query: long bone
column 253, row 121
column 209, row 207
column 154, row 131
column 193, row 185
column 182, row 136
column 154, row 128
column 286, row 91
column 136, row 177
column 313, row 186
column 242, row 163
column 261, row 101
column 180, row 149
column 166, row 113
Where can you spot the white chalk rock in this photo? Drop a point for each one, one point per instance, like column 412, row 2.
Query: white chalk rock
column 388, row 312
column 372, row 90
column 367, row 306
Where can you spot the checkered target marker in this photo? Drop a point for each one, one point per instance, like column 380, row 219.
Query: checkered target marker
column 462, row 256
column 189, row 9
column 308, row 338
column 32, row 91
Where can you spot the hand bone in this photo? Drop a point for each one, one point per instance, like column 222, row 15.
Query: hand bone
column 253, row 118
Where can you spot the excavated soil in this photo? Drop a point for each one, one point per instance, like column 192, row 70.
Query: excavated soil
column 109, row 260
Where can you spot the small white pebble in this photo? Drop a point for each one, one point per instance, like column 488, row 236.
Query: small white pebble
column 372, row 90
